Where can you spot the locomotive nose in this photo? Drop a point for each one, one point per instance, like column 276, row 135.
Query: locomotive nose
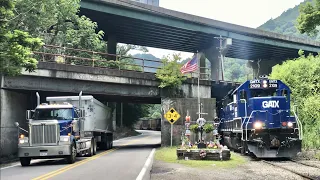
column 272, row 110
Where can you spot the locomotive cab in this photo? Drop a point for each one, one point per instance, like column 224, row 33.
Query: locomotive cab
column 256, row 119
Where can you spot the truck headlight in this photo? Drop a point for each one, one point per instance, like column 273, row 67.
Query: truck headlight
column 23, row 140
column 64, row 139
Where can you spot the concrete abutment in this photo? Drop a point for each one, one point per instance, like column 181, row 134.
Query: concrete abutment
column 13, row 106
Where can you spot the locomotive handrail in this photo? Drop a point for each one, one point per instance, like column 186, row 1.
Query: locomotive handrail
column 247, row 123
column 299, row 125
column 245, row 106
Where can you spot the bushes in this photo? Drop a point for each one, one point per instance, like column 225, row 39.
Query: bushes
column 302, row 75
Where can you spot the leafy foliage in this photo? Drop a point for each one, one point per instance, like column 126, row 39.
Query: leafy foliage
column 309, row 18
column 154, row 111
column 15, row 46
column 132, row 113
column 302, row 75
column 286, row 23
column 169, row 74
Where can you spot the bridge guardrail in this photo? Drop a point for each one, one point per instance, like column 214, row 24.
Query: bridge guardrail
column 82, row 57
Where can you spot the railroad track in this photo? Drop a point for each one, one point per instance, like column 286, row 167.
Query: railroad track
column 304, row 170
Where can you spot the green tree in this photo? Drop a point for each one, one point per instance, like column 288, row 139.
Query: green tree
column 169, row 74
column 309, row 18
column 302, row 75
column 16, row 46
column 58, row 23
column 132, row 113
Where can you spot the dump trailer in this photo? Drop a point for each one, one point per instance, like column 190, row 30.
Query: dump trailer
column 65, row 127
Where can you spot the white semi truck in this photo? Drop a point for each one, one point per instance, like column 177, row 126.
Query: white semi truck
column 67, row 126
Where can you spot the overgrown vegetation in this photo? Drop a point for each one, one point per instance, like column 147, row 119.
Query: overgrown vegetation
column 287, row 22
column 169, row 74
column 309, row 18
column 132, row 113
column 16, row 46
column 169, row 154
column 302, row 75
column 25, row 26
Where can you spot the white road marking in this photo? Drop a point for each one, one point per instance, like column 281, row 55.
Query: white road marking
column 36, row 161
column 146, row 165
column 17, row 164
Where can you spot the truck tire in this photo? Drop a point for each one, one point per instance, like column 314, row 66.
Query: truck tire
column 104, row 142
column 72, row 157
column 25, row 161
column 91, row 150
column 111, row 141
column 94, row 146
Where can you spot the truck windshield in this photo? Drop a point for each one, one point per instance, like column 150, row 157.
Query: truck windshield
column 49, row 114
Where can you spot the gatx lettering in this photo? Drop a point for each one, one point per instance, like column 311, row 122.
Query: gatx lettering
column 270, row 104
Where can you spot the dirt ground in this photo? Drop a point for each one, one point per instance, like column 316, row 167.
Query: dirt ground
column 251, row 169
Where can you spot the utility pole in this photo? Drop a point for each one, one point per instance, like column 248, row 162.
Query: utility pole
column 221, row 48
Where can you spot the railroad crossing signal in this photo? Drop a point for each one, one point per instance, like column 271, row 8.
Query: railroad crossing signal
column 172, row 116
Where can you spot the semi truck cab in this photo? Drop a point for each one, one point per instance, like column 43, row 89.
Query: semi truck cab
column 56, row 130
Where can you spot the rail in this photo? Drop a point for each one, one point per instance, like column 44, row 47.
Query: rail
column 82, row 57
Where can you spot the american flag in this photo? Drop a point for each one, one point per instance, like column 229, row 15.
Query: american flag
column 191, row 65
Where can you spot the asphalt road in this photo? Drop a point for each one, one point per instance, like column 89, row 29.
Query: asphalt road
column 125, row 161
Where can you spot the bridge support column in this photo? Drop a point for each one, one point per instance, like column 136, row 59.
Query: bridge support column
column 112, row 46
column 264, row 67
column 188, row 102
column 215, row 58
column 182, row 105
column 13, row 106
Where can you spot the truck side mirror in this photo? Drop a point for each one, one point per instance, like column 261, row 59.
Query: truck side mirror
column 17, row 124
column 28, row 114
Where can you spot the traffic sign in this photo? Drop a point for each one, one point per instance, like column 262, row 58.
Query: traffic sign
column 172, row 116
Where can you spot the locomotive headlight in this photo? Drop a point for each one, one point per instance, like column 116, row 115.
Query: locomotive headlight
column 290, row 124
column 257, row 125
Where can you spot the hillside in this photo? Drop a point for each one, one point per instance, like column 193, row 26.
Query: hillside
column 285, row 23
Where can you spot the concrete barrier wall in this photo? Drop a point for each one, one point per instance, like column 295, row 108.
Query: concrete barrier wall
column 13, row 106
column 181, row 105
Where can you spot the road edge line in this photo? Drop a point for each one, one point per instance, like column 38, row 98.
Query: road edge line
column 18, row 163
column 146, row 166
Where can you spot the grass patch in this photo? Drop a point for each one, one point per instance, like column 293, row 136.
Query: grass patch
column 169, row 154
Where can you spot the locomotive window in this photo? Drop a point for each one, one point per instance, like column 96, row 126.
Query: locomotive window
column 284, row 93
column 263, row 92
column 243, row 94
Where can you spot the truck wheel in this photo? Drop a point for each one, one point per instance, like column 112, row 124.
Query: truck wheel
column 104, row 142
column 91, row 151
column 94, row 147
column 72, row 157
column 24, row 161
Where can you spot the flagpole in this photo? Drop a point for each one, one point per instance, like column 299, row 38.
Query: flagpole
column 199, row 107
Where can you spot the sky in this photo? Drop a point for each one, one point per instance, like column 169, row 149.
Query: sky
column 249, row 13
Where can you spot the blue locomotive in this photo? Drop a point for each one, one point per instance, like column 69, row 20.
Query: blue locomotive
column 255, row 118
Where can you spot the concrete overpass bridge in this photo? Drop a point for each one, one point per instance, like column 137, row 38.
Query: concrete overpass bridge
column 125, row 21
column 63, row 75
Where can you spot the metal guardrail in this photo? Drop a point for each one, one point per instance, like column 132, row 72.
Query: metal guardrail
column 82, row 57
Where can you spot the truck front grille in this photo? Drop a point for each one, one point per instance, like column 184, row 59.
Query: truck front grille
column 44, row 134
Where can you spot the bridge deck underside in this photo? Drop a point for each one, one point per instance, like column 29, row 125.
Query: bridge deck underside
column 139, row 32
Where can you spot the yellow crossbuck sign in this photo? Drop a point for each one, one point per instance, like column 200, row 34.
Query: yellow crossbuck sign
column 172, row 116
